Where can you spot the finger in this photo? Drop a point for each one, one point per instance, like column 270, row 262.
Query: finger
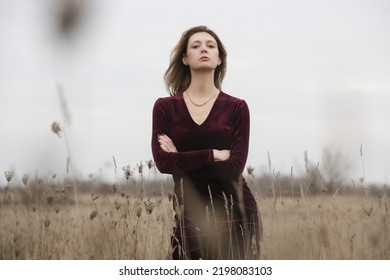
column 168, row 144
column 164, row 147
column 167, row 148
column 165, row 138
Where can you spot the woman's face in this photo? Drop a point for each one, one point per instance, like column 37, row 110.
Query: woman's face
column 202, row 52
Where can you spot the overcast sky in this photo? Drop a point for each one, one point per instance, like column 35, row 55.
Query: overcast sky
column 315, row 74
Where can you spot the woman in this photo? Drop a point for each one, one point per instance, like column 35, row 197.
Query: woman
column 200, row 136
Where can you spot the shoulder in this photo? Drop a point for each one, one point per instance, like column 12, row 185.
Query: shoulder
column 234, row 101
column 167, row 102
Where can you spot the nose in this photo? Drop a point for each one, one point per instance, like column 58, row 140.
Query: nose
column 204, row 49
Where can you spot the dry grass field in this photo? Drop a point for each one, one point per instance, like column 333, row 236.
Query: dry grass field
column 345, row 227
column 42, row 221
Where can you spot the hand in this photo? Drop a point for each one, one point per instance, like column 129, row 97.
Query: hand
column 166, row 144
column 221, row 155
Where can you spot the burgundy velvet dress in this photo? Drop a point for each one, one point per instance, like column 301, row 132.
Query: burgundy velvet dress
column 216, row 214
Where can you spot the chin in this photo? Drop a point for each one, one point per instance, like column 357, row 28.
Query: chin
column 204, row 68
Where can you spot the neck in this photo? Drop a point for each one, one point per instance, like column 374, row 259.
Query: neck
column 202, row 84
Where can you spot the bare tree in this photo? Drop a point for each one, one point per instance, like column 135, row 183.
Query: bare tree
column 335, row 167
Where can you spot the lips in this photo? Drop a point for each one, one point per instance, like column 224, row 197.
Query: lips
column 204, row 58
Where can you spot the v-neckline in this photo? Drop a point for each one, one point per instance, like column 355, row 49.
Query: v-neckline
column 208, row 115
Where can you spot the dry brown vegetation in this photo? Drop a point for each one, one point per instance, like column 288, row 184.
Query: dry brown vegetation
column 346, row 227
column 133, row 219
column 41, row 220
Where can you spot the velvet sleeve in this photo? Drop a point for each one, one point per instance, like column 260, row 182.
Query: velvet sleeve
column 179, row 162
column 232, row 169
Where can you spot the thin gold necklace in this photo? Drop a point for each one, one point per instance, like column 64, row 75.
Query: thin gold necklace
column 201, row 104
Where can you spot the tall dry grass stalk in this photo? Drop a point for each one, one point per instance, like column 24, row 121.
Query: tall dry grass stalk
column 8, row 176
column 63, row 131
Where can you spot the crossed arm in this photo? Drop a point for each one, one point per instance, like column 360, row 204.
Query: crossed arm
column 224, row 164
column 167, row 145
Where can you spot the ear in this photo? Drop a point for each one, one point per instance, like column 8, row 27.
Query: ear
column 184, row 60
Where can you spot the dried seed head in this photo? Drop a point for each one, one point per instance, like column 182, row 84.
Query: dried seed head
column 150, row 164
column 149, row 205
column 139, row 212
column 68, row 16
column 140, row 168
column 250, row 170
column 115, row 166
column 55, row 127
column 127, row 171
column 93, row 215
column 170, row 196
column 269, row 160
column 117, row 204
column 114, row 223
column 114, row 186
column 368, row 209
column 9, row 175
column 25, row 179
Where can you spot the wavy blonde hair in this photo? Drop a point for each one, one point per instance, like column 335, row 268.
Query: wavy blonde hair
column 177, row 77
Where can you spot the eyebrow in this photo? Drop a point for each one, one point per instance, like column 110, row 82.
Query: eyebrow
column 208, row 41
